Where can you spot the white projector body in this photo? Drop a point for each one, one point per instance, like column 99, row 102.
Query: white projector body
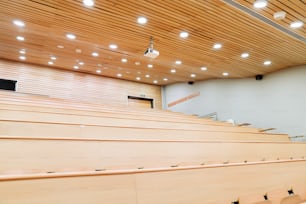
column 151, row 53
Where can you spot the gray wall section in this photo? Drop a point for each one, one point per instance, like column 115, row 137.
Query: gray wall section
column 279, row 100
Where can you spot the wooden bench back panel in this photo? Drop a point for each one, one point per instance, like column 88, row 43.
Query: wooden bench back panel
column 209, row 186
column 119, row 122
column 38, row 155
column 30, row 129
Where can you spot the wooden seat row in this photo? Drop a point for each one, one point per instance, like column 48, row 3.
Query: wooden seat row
column 66, row 130
column 58, row 154
column 209, row 185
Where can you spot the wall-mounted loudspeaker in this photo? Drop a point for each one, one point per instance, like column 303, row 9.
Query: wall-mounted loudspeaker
column 190, row 82
column 259, row 77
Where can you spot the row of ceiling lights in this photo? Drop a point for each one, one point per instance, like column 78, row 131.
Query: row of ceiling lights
column 124, row 60
column 140, row 20
column 263, row 3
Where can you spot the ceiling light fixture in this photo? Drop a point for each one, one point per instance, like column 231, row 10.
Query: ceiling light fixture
column 60, row 46
column 138, row 78
column 22, row 57
column 260, row 3
column 245, row 55
column 19, row 23
column 155, row 81
column 124, row 60
column 267, row 62
column 172, row 70
column 192, row 75
column 113, row 46
column 296, row 24
column 88, row 2
column 53, row 57
column 50, row 63
column 165, row 79
column 75, row 67
column 22, row 51
column 99, row 71
column 137, row 63
column 225, row 74
column 20, row 38
column 217, row 46
column 95, row 54
column 70, row 36
column 150, row 65
column 184, row 34
column 147, row 76
column 142, row 20
column 203, row 68
column 119, row 75
column 178, row 62
column 81, row 63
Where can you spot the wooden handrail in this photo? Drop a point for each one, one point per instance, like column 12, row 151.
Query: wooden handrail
column 144, row 140
column 105, row 172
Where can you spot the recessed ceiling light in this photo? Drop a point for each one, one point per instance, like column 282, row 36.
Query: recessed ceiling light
column 178, row 62
column 267, row 62
column 225, row 74
column 124, row 60
column 296, row 24
column 70, row 36
column 192, row 75
column 142, row 20
column 260, row 3
column 217, row 46
column 113, row 46
column 75, row 67
column 19, row 23
column 78, row 50
column 20, row 38
column 184, row 34
column 60, row 46
column 53, row 57
column 50, row 63
column 245, row 55
column 203, row 68
column 147, row 76
column 155, row 81
column 150, row 65
column 22, row 57
column 95, row 54
column 119, row 75
column 81, row 63
column 99, row 71
column 172, row 70
column 137, row 63
column 165, row 79
column 22, row 51
column 88, row 2
column 138, row 78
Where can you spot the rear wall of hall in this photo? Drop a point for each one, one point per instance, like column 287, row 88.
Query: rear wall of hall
column 76, row 86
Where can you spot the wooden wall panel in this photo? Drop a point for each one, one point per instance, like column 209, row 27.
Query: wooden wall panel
column 75, row 86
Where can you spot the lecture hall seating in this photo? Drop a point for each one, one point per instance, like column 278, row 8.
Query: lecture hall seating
column 60, row 151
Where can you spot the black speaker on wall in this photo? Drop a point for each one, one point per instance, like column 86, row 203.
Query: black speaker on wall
column 9, row 85
column 190, row 82
column 259, row 77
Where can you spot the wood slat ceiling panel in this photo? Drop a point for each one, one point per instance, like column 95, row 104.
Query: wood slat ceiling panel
column 114, row 21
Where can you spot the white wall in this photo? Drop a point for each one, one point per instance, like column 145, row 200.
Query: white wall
column 279, row 100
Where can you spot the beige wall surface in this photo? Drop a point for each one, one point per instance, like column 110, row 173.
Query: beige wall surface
column 74, row 85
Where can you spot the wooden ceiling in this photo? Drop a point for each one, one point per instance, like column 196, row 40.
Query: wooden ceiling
column 115, row 22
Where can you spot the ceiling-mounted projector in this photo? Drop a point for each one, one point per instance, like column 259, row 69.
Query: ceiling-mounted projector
column 150, row 52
